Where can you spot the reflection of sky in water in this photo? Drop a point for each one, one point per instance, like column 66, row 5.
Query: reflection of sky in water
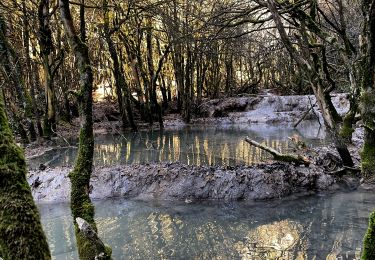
column 191, row 145
column 313, row 227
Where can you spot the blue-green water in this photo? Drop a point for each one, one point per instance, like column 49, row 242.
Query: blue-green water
column 198, row 145
column 322, row 226
column 325, row 226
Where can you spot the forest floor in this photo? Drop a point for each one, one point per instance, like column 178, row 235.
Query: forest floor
column 179, row 181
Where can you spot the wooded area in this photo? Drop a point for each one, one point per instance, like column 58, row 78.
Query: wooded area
column 154, row 58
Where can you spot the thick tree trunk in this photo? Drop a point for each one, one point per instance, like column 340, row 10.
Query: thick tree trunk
column 368, row 115
column 21, row 233
column 368, row 91
column 80, row 177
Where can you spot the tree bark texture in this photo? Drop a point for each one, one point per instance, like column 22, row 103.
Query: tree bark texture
column 368, row 115
column 46, row 46
column 81, row 204
column 21, row 233
column 315, row 71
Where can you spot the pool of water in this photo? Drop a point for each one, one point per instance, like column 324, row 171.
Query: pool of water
column 323, row 226
column 198, row 145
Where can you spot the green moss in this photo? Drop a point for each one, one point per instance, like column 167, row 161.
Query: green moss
column 368, row 251
column 21, row 233
column 368, row 160
column 90, row 251
column 346, row 131
column 368, row 108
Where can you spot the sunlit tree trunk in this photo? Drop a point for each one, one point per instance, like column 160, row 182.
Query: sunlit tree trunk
column 81, row 204
column 122, row 90
column 10, row 61
column 28, row 77
column 46, row 48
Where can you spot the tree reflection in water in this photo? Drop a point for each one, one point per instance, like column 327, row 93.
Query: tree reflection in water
column 309, row 227
column 190, row 145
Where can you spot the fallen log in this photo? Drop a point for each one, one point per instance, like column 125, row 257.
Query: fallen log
column 290, row 158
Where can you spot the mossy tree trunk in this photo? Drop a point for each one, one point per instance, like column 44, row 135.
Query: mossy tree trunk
column 81, row 204
column 21, row 233
column 368, row 90
column 368, row 114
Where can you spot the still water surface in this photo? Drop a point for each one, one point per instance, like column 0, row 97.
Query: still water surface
column 205, row 145
column 325, row 226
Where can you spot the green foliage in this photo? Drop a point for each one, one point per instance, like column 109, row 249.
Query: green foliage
column 347, row 129
column 368, row 251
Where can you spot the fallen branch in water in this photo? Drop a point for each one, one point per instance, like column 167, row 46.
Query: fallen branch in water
column 291, row 158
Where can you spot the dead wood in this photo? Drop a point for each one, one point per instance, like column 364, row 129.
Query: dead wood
column 290, row 158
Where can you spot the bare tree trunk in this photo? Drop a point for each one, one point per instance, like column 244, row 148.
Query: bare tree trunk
column 331, row 118
column 46, row 46
column 10, row 62
column 28, row 81
column 80, row 177
column 121, row 86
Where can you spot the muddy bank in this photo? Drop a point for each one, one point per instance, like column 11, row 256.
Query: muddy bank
column 176, row 181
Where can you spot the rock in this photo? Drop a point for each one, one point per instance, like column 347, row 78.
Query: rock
column 42, row 167
column 264, row 109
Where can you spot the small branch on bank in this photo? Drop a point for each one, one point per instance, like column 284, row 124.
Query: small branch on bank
column 290, row 158
column 61, row 136
column 306, row 113
column 368, row 128
column 302, row 118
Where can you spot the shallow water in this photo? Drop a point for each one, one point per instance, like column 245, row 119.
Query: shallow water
column 198, row 145
column 323, row 226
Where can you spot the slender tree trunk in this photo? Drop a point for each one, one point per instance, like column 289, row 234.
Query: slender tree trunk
column 46, row 46
column 116, row 66
column 28, row 81
column 9, row 60
column 314, row 73
column 81, row 204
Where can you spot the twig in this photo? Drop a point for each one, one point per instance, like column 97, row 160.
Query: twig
column 306, row 113
column 62, row 137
